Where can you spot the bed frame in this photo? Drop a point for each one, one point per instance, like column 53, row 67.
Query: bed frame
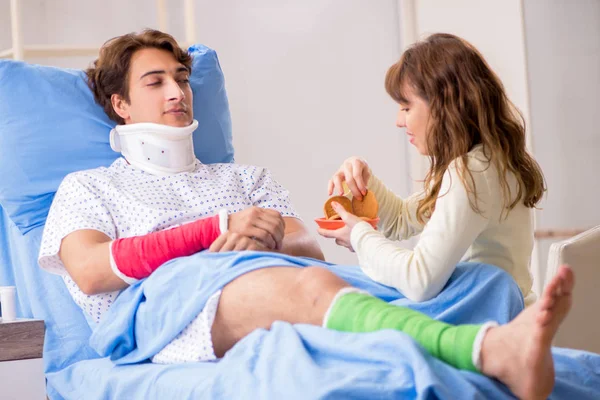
column 20, row 51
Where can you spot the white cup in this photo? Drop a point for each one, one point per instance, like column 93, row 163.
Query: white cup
column 8, row 302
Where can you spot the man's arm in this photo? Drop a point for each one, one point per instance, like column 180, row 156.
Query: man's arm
column 86, row 256
column 297, row 241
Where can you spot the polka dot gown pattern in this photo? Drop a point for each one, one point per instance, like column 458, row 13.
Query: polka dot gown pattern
column 93, row 306
column 123, row 201
column 194, row 343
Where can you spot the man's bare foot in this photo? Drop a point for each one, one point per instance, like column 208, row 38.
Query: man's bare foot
column 518, row 353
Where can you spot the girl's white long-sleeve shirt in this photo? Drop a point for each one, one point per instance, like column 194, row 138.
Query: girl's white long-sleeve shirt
column 454, row 233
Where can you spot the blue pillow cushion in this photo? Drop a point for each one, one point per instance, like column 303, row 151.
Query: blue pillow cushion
column 50, row 126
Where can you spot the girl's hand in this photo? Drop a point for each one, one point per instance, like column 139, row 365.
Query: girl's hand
column 342, row 235
column 355, row 172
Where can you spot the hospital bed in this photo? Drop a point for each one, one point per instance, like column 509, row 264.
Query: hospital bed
column 50, row 126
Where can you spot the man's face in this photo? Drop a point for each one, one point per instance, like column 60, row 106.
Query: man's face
column 159, row 90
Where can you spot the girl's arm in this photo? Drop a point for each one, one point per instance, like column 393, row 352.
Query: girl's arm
column 398, row 217
column 421, row 274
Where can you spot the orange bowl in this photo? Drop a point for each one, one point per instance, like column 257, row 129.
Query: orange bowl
column 333, row 224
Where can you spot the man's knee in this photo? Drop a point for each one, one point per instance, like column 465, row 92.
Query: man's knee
column 318, row 285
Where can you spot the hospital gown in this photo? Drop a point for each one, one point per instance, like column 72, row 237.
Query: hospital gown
column 123, row 201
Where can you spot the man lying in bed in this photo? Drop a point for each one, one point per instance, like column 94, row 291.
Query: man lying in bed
column 109, row 227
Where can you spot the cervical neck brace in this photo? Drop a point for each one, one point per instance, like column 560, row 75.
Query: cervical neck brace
column 155, row 148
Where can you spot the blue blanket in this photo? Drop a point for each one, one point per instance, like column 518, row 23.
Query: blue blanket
column 297, row 361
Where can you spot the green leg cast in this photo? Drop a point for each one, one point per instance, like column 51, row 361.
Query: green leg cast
column 358, row 312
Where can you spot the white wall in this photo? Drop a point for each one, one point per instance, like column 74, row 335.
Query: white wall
column 23, row 379
column 305, row 80
column 35, row 22
column 563, row 52
column 4, row 25
column 494, row 27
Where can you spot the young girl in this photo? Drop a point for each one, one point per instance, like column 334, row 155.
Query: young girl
column 480, row 190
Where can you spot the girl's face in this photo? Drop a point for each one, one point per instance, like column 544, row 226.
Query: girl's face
column 414, row 116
